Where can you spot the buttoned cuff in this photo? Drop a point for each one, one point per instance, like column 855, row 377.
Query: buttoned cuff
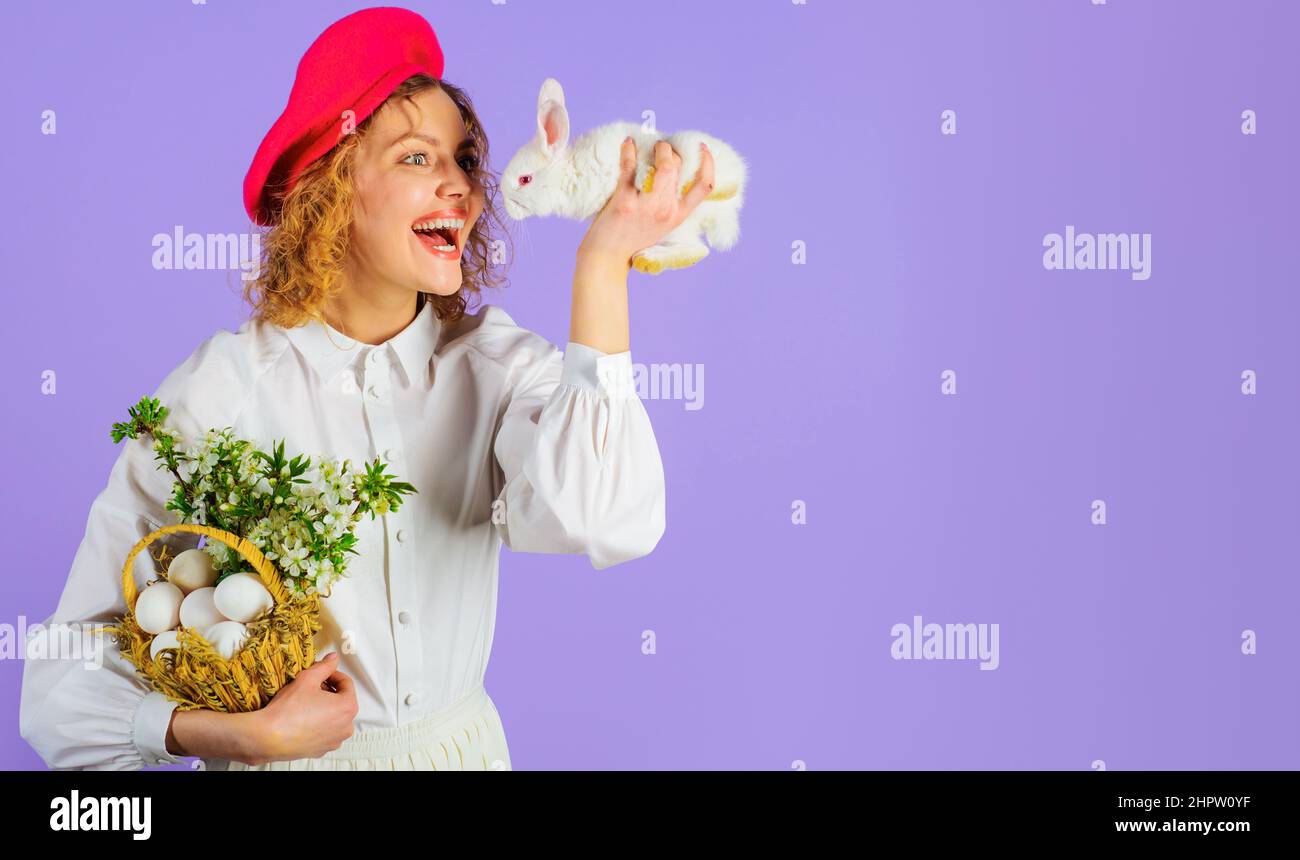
column 606, row 374
column 152, row 719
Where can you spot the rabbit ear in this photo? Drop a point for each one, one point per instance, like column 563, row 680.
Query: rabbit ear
column 551, row 91
column 552, row 118
column 552, row 127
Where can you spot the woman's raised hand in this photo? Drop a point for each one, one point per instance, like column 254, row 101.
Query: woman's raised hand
column 633, row 220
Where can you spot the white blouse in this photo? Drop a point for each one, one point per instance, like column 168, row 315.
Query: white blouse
column 470, row 413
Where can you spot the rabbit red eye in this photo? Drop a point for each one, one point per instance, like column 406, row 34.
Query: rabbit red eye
column 524, row 180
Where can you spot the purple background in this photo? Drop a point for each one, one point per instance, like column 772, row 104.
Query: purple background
column 1118, row 642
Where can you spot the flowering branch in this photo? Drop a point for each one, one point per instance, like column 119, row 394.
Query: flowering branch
column 300, row 516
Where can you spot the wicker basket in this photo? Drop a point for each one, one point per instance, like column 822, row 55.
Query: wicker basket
column 280, row 643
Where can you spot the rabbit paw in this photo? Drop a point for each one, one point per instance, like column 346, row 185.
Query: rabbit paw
column 669, row 255
column 718, row 193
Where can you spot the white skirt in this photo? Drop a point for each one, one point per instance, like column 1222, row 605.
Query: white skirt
column 465, row 735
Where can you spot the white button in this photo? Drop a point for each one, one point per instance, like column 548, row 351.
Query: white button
column 376, row 355
column 404, row 617
column 376, row 392
column 391, row 455
column 349, row 385
column 411, row 698
column 401, row 535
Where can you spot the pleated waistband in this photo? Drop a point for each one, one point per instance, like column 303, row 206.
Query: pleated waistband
column 421, row 733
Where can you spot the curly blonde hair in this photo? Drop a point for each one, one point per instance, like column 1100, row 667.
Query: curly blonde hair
column 303, row 253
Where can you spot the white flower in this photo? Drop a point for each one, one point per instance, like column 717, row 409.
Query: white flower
column 295, row 554
column 313, row 569
column 206, row 463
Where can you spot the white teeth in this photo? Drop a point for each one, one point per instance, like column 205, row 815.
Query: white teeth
column 453, row 223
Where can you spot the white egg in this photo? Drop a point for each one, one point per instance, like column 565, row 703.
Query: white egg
column 226, row 637
column 199, row 609
column 192, row 569
column 242, row 597
column 158, row 607
column 166, row 639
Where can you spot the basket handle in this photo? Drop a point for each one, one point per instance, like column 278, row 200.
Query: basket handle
column 270, row 578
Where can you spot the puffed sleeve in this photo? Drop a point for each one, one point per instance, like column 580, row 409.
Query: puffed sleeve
column 86, row 708
column 581, row 466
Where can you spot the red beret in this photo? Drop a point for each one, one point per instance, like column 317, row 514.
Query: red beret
column 354, row 65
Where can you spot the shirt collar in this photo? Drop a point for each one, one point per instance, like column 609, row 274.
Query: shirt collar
column 328, row 350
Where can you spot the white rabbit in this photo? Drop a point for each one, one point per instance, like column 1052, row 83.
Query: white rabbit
column 549, row 177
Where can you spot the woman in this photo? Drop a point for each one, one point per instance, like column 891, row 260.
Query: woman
column 360, row 345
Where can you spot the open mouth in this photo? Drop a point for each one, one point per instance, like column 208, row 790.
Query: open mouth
column 440, row 235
